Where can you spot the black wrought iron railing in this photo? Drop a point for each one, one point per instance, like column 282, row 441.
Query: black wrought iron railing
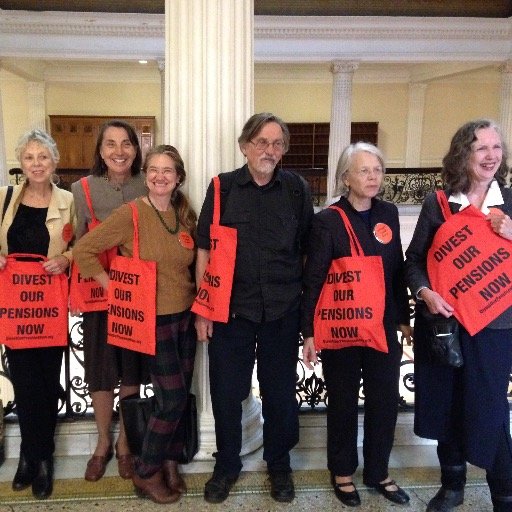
column 76, row 401
column 404, row 188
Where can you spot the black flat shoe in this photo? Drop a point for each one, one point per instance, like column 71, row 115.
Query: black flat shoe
column 281, row 486
column 25, row 474
column 348, row 498
column 216, row 490
column 42, row 486
column 399, row 496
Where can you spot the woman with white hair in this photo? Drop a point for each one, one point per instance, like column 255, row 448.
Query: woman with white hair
column 358, row 223
column 38, row 218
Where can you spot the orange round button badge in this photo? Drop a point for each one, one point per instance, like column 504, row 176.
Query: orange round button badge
column 186, row 240
column 382, row 232
column 67, row 232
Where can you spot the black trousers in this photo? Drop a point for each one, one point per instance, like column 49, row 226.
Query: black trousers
column 232, row 352
column 343, row 370
column 35, row 374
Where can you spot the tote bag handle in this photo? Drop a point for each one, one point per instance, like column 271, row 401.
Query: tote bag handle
column 355, row 245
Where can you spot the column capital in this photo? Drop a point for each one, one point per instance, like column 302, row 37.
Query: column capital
column 417, row 86
column 343, row 66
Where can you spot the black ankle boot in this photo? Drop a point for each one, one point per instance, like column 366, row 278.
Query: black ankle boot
column 25, row 474
column 42, row 486
column 445, row 500
column 453, row 477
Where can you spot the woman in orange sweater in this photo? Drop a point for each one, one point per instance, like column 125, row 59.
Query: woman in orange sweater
column 167, row 237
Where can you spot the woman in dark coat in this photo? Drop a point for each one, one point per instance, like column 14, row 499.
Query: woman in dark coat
column 359, row 179
column 466, row 409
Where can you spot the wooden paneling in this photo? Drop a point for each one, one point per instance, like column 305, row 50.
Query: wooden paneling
column 309, row 151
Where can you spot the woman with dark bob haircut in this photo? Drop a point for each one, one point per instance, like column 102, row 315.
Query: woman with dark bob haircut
column 466, row 409
column 115, row 179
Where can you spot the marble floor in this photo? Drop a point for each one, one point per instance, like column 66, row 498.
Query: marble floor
column 406, row 464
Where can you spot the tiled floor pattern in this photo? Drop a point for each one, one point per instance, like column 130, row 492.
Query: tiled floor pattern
column 412, row 467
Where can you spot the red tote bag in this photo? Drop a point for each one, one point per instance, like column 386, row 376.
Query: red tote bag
column 350, row 309
column 470, row 266
column 33, row 304
column 132, row 299
column 86, row 294
column 214, row 294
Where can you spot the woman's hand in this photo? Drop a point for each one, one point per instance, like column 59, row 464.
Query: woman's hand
column 56, row 265
column 204, row 328
column 407, row 333
column 501, row 224
column 309, row 357
column 435, row 303
column 3, row 262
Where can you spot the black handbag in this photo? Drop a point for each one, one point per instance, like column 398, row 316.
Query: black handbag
column 442, row 336
column 136, row 412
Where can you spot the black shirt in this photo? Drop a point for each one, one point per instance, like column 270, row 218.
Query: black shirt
column 272, row 223
column 28, row 232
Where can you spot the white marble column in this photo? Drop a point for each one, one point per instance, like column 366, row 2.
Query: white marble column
column 415, row 124
column 4, row 179
column 505, row 116
column 341, row 118
column 161, row 69
column 36, row 105
column 208, row 98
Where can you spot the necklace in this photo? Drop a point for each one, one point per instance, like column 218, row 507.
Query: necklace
column 113, row 184
column 171, row 231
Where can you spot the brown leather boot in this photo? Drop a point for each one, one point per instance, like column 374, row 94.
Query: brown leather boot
column 154, row 488
column 172, row 478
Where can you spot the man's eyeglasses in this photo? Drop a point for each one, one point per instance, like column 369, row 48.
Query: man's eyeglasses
column 263, row 144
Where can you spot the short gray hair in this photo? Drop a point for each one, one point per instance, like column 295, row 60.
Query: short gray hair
column 345, row 162
column 42, row 138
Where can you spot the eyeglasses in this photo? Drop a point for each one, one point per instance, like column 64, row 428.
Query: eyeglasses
column 153, row 171
column 263, row 144
column 366, row 171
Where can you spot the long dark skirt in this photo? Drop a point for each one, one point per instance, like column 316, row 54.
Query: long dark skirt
column 467, row 404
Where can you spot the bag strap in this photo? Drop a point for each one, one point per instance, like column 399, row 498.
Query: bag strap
column 135, row 218
column 355, row 245
column 443, row 204
column 216, row 200
column 7, row 201
column 87, row 193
